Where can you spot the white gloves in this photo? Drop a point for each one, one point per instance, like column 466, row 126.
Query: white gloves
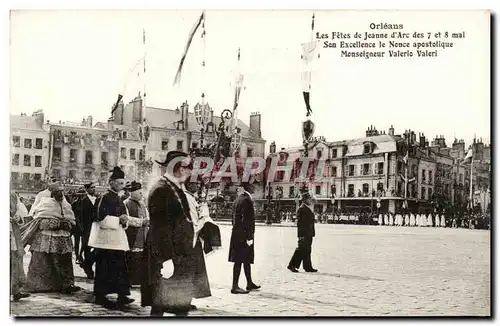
column 167, row 269
column 249, row 242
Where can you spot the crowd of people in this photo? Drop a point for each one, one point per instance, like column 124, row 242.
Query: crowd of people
column 121, row 243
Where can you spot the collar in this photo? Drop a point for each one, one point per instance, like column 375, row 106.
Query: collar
column 175, row 181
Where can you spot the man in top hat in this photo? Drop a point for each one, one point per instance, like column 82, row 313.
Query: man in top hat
column 305, row 233
column 138, row 222
column 241, row 249
column 109, row 239
column 126, row 191
column 85, row 208
column 171, row 242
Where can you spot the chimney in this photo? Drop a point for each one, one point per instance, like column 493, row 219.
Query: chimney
column 421, row 140
column 90, row 121
column 185, row 105
column 391, row 131
column 110, row 123
column 39, row 118
column 255, row 124
column 272, row 148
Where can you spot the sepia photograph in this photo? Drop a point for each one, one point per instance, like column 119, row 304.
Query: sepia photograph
column 250, row 163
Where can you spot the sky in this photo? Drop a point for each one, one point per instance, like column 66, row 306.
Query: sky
column 74, row 63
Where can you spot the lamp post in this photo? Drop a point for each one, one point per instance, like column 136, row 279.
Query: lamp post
column 269, row 210
column 279, row 195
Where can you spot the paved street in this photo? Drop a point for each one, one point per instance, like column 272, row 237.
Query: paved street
column 363, row 271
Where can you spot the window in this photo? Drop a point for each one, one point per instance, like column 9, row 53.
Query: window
column 351, row 172
column 414, row 170
column 430, row 193
column 164, row 145
column 350, row 190
column 104, row 177
column 38, row 161
column 291, row 192
column 88, row 157
column 366, row 169
column 26, row 177
column 400, row 167
column 124, row 135
column 334, row 190
column 334, row 171
column 141, row 155
column 104, row 159
column 249, row 152
column 367, row 149
column 72, row 174
column 318, row 190
column 423, row 176
column 366, row 189
column 422, row 192
column 27, row 160
column 461, row 180
column 56, row 173
column 380, row 186
column 123, row 153
column 38, row 143
column 319, row 153
column 380, row 168
column 180, row 145
column 334, row 153
column 15, row 159
column 430, row 177
column 72, row 155
column 38, row 177
column 57, row 154
column 88, row 175
column 400, row 188
column 27, row 143
column 16, row 141
column 194, row 145
column 14, row 176
column 132, row 153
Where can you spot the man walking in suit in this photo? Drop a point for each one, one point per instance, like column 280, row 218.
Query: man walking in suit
column 241, row 249
column 305, row 233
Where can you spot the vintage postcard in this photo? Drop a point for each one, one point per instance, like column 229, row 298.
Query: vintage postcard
column 252, row 163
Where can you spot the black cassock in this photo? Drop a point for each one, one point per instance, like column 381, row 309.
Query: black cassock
column 170, row 236
column 243, row 230
column 86, row 213
column 111, row 274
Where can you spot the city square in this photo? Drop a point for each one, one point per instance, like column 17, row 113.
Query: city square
column 363, row 271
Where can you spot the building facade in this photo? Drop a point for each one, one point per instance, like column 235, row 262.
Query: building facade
column 29, row 152
column 81, row 153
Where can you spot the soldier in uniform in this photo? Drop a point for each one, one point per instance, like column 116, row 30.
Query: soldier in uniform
column 305, row 233
column 109, row 239
column 241, row 249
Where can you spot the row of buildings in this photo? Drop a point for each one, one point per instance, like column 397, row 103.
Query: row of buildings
column 368, row 174
column 77, row 153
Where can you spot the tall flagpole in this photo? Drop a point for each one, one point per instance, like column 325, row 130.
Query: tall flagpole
column 471, row 174
column 144, row 75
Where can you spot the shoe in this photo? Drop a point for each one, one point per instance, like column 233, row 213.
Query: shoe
column 253, row 287
column 71, row 289
column 293, row 269
column 312, row 270
column 105, row 303
column 125, row 301
column 239, row 291
column 193, row 307
column 21, row 295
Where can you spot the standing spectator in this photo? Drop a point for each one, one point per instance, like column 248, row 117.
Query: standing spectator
column 17, row 276
column 305, row 233
column 241, row 250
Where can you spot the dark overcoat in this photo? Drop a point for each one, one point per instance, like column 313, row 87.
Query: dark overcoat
column 170, row 236
column 243, row 230
column 305, row 222
column 85, row 214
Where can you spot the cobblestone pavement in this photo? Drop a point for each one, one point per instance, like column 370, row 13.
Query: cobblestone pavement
column 363, row 271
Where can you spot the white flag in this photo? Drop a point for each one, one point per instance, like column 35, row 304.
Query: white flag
column 468, row 156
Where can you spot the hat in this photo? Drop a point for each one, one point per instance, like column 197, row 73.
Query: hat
column 56, row 186
column 88, row 185
column 306, row 195
column 127, row 186
column 134, row 186
column 117, row 173
column 170, row 156
column 81, row 192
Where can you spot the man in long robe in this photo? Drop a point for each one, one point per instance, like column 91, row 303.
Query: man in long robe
column 241, row 250
column 170, row 240
column 136, row 232
column 109, row 239
column 51, row 265
column 43, row 194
